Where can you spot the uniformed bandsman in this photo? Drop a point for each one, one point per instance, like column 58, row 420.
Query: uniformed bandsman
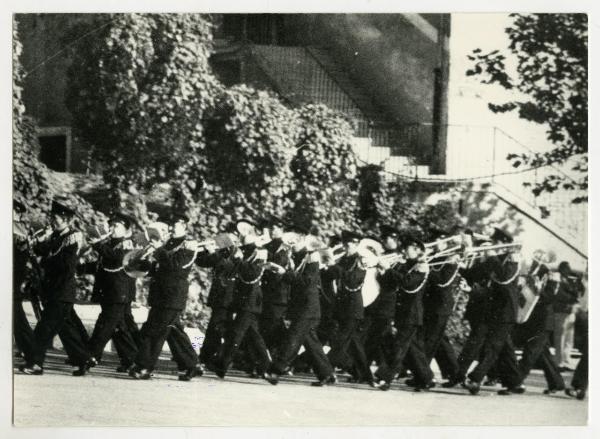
column 167, row 298
column 22, row 331
column 224, row 264
column 304, row 313
column 348, row 350
column 438, row 305
column 411, row 278
column 59, row 250
column 276, row 293
column 504, row 273
column 247, row 306
column 536, row 330
column 114, row 290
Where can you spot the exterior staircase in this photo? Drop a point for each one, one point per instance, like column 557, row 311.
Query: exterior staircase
column 304, row 75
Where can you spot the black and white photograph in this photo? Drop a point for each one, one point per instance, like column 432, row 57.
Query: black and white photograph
column 299, row 219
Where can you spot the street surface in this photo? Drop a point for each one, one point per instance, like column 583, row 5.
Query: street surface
column 105, row 397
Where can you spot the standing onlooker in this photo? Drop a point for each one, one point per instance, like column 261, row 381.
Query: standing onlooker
column 564, row 315
column 579, row 382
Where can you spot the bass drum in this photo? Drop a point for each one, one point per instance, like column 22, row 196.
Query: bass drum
column 370, row 289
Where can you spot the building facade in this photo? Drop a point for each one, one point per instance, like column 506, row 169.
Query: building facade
column 387, row 72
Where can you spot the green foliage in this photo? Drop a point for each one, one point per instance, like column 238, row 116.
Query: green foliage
column 552, row 56
column 30, row 177
column 325, row 171
column 251, row 138
column 138, row 93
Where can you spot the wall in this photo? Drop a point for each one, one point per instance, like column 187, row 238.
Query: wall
column 44, row 88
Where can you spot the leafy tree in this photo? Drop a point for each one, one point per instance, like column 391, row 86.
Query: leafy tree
column 30, row 177
column 251, row 139
column 138, row 93
column 552, row 57
column 324, row 168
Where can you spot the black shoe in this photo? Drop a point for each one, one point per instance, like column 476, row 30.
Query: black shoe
column 139, row 374
column 83, row 368
column 329, row 381
column 383, row 385
column 551, row 391
column 220, row 372
column 472, row 386
column 575, row 393
column 186, row 375
column 31, row 370
column 199, row 370
column 519, row 390
column 123, row 368
column 272, row 378
column 80, row 371
column 426, row 387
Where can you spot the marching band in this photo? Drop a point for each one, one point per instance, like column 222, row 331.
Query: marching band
column 278, row 289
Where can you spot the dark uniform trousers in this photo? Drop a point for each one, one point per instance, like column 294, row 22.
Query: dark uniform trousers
column 272, row 327
column 22, row 330
column 498, row 347
column 216, row 331
column 406, row 345
column 155, row 331
column 348, row 350
column 580, row 377
column 537, row 350
column 438, row 346
column 376, row 330
column 111, row 324
column 245, row 325
column 303, row 332
column 181, row 346
column 58, row 318
column 472, row 349
column 122, row 338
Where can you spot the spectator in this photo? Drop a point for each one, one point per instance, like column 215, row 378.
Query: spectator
column 567, row 296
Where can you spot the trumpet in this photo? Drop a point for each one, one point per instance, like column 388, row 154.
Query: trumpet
column 472, row 253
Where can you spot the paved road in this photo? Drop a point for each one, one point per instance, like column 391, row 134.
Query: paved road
column 105, row 397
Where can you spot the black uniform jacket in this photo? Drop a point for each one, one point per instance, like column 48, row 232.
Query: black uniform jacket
column 542, row 316
column 438, row 299
column 504, row 274
column 478, row 278
column 409, row 302
column 276, row 292
column 305, row 286
column 248, row 293
column 112, row 284
column 223, row 284
column 350, row 277
column 59, row 264
column 169, row 280
column 384, row 305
